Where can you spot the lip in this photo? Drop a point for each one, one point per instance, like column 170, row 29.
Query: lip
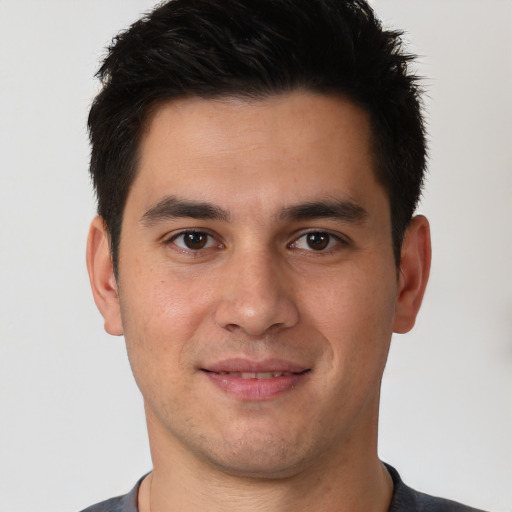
column 247, row 365
column 226, row 375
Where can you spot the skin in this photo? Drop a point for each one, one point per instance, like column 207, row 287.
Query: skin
column 260, row 281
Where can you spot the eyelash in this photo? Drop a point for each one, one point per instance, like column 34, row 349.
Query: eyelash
column 192, row 232
column 332, row 241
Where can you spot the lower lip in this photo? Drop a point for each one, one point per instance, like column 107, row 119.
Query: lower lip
column 255, row 389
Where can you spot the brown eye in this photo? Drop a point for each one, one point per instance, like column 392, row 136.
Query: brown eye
column 193, row 240
column 318, row 241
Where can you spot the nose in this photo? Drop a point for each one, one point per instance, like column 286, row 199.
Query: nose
column 257, row 296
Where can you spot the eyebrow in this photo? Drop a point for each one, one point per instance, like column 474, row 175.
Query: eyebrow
column 337, row 209
column 171, row 207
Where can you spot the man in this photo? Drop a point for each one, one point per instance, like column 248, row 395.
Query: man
column 257, row 166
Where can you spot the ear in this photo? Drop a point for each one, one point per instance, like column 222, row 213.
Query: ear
column 101, row 276
column 413, row 275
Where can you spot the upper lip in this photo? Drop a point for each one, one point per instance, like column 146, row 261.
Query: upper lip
column 247, row 365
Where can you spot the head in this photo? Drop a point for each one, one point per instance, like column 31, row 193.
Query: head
column 257, row 164
column 256, row 49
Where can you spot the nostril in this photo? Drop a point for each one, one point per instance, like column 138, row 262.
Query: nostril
column 232, row 327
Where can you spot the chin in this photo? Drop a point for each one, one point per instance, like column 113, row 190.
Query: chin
column 259, row 456
column 261, row 468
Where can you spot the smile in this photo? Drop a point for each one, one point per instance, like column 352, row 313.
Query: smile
column 250, row 381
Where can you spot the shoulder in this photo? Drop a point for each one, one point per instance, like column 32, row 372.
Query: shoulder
column 111, row 505
column 125, row 503
column 406, row 499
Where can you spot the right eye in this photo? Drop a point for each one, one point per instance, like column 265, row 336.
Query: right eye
column 194, row 240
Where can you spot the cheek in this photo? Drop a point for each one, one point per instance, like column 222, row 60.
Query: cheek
column 355, row 302
column 160, row 318
column 355, row 315
column 162, row 301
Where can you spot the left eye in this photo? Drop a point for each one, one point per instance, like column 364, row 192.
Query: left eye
column 316, row 241
column 193, row 240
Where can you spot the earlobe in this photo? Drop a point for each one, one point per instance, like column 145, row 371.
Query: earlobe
column 413, row 274
column 102, row 278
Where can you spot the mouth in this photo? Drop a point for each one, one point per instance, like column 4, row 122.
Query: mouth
column 248, row 381
column 256, row 375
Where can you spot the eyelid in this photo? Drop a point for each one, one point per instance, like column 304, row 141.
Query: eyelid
column 171, row 237
column 341, row 240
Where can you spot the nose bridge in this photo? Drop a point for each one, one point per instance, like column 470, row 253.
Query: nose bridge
column 255, row 296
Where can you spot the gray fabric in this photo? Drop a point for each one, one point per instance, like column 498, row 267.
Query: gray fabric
column 404, row 499
column 126, row 503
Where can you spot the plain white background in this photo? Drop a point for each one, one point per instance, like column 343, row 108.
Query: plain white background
column 71, row 421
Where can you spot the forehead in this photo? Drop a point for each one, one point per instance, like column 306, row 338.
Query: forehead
column 263, row 119
column 299, row 144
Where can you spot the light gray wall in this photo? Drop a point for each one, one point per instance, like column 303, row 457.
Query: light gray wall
column 71, row 420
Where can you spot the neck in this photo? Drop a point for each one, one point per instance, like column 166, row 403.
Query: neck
column 159, row 494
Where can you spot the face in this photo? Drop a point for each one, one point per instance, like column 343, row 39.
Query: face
column 257, row 288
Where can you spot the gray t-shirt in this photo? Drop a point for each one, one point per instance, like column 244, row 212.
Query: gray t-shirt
column 404, row 499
